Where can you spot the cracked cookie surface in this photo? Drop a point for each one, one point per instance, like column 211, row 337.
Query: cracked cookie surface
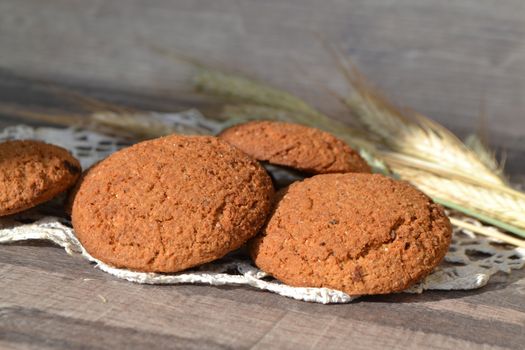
column 33, row 172
column 296, row 146
column 358, row 233
column 171, row 203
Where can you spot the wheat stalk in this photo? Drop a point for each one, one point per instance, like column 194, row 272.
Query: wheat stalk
column 138, row 125
column 53, row 117
column 241, row 89
column 487, row 231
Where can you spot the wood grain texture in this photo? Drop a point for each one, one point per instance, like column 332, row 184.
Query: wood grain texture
column 51, row 299
column 448, row 61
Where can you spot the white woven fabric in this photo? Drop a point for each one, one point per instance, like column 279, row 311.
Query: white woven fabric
column 469, row 264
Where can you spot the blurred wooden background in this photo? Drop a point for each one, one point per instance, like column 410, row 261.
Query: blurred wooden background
column 459, row 62
column 454, row 61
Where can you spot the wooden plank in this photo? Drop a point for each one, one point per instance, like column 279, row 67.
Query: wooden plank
column 327, row 332
column 446, row 61
column 67, row 294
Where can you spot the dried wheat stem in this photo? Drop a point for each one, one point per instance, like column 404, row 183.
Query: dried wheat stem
column 401, row 160
column 489, row 202
column 65, row 119
column 488, row 232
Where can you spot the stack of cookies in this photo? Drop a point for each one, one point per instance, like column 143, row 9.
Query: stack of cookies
column 176, row 202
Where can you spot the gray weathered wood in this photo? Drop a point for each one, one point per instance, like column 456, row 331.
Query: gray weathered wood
column 451, row 61
column 49, row 298
column 446, row 60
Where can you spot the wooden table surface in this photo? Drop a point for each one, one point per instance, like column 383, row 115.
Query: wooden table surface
column 461, row 62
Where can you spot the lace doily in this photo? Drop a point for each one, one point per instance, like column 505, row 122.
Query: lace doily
column 469, row 264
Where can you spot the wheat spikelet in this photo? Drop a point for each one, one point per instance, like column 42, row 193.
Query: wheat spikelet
column 484, row 154
column 490, row 202
column 405, row 131
column 412, row 134
column 241, row 89
column 399, row 160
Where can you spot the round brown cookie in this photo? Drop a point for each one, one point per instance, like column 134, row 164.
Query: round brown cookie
column 359, row 233
column 171, row 203
column 33, row 172
column 297, row 146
